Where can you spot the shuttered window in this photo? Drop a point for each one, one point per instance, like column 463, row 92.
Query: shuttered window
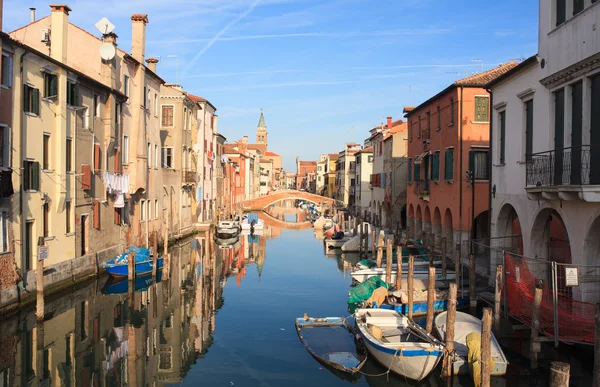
column 528, row 129
column 410, row 172
column 561, row 11
column 50, row 85
column 97, row 158
column 417, row 171
column 577, row 6
column 451, row 111
column 502, row 121
column 86, row 177
column 478, row 163
column 31, row 100
column 449, row 165
column 96, row 205
column 435, row 166
column 117, row 218
column 68, row 217
column 482, row 105
column 31, row 175
column 167, row 117
column 439, row 118
column 69, row 155
column 72, row 93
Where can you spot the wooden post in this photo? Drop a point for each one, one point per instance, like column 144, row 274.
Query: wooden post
column 444, row 252
column 450, row 321
column 154, row 254
column 379, row 251
column 498, row 296
column 362, row 248
column 430, row 298
column 596, row 377
column 458, row 267
column 166, row 257
column 39, row 284
column 559, row 374
column 431, row 248
column 342, row 222
column 535, row 323
column 389, row 261
column 472, row 281
column 399, row 267
column 374, row 240
column 486, row 343
column 131, row 267
column 354, row 225
column 411, row 271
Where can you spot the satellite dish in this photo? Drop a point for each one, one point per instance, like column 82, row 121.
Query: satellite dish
column 107, row 51
column 105, row 26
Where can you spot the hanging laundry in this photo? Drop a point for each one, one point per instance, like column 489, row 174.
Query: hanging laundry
column 119, row 201
column 116, row 184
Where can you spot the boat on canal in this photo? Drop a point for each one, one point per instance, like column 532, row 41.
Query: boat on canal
column 330, row 340
column 120, row 285
column 398, row 343
column 419, row 262
column 119, row 266
column 465, row 324
column 227, row 229
column 420, row 274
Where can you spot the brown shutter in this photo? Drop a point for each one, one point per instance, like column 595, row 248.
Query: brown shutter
column 117, row 216
column 97, row 214
column 117, row 158
column 86, row 177
column 97, row 158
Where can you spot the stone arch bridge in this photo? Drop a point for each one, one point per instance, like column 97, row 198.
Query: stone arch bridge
column 260, row 203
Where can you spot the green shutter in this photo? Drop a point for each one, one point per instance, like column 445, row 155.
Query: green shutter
column 35, row 176
column 35, row 96
column 25, row 98
column 449, row 165
column 53, row 85
column 25, row 176
column 502, row 136
column 472, row 161
column 417, row 171
column 75, row 95
column 435, row 166
column 410, row 166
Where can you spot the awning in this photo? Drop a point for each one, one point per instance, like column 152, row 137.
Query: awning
column 421, row 156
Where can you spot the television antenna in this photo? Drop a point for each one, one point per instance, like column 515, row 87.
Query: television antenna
column 104, row 26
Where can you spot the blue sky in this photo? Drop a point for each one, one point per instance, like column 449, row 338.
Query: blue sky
column 323, row 71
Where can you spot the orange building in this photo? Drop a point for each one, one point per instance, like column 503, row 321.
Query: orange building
column 447, row 135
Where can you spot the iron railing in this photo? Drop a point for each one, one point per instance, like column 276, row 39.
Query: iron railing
column 578, row 165
column 188, row 176
column 421, row 187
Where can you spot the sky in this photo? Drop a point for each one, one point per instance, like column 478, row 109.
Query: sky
column 324, row 71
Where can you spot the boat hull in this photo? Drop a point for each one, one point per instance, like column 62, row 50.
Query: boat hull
column 141, row 268
column 362, row 275
column 420, row 308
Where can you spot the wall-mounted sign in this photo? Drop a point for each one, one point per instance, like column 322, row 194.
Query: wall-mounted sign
column 43, row 252
column 571, row 276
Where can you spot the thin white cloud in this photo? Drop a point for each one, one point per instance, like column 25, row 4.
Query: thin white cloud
column 277, row 85
column 218, row 35
column 216, row 75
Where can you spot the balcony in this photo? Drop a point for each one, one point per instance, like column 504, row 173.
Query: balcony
column 422, row 189
column 564, row 174
column 188, row 176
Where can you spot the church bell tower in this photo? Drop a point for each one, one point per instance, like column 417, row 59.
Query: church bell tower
column 261, row 131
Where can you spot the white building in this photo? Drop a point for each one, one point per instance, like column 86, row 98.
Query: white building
column 321, row 171
column 545, row 143
column 364, row 169
column 346, row 174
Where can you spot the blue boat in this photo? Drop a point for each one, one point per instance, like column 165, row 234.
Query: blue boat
column 120, row 285
column 420, row 308
column 119, row 266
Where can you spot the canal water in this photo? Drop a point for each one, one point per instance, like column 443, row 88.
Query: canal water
column 223, row 317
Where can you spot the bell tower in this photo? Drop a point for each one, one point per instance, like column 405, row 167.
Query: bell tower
column 261, row 131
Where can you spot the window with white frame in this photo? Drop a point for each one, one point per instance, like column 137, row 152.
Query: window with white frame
column 85, row 111
column 97, row 106
column 125, row 153
column 167, row 157
column 155, row 104
column 149, row 154
column 167, row 116
column 126, row 85
column 4, row 146
column 155, row 156
column 156, row 209
column 6, row 75
column 142, row 210
column 3, row 232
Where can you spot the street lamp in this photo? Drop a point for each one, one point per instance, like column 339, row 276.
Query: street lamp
column 176, row 67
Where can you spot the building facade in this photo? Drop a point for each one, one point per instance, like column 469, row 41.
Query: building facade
column 364, row 170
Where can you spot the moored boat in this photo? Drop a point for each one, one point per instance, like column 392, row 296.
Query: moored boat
column 465, row 324
column 330, row 341
column 119, row 266
column 398, row 343
column 227, row 228
column 362, row 275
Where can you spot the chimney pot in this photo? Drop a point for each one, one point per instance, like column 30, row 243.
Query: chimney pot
column 389, row 122
column 152, row 64
column 32, row 13
column 138, row 36
column 60, row 8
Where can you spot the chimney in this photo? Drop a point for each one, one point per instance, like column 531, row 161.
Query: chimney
column 245, row 140
column 389, row 122
column 32, row 14
column 152, row 64
column 59, row 22
column 138, row 36
column 1, row 8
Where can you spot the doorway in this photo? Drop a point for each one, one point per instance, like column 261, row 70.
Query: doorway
column 27, row 247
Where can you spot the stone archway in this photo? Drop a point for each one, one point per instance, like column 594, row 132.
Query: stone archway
column 418, row 231
column 410, row 222
column 427, row 226
column 436, row 228
column 448, row 230
column 508, row 230
column 590, row 291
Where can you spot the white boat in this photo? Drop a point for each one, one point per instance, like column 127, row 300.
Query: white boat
column 420, row 273
column 259, row 225
column 418, row 263
column 398, row 343
column 227, row 228
column 465, row 324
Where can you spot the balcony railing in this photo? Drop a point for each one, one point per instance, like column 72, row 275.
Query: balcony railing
column 188, row 176
column 578, row 165
column 422, row 189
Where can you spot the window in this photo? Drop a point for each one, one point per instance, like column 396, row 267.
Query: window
column 156, row 104
column 3, row 232
column 528, row 129
column 149, row 154
column 167, row 157
column 126, row 85
column 149, row 208
column 482, row 109
column 46, row 152
column 50, row 85
column 435, row 166
column 428, row 124
column 142, row 210
column 155, row 208
column 449, row 164
column 31, row 100
column 72, row 93
column 577, row 6
column 68, row 217
column 31, row 175
column 97, row 106
column 410, row 170
column 155, row 156
column 502, row 123
column 97, row 158
column 117, row 216
column 125, row 149
column 439, row 118
column 46, row 219
column 118, row 110
column 561, row 12
column 417, row 171
column 96, row 208
column 4, row 146
column 419, row 132
column 451, row 111
column 478, row 163
column 167, row 117
column 6, row 75
column 86, row 117
column 146, row 91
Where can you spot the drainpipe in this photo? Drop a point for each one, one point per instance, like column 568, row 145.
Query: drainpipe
column 460, row 178
column 490, row 162
column 20, row 166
